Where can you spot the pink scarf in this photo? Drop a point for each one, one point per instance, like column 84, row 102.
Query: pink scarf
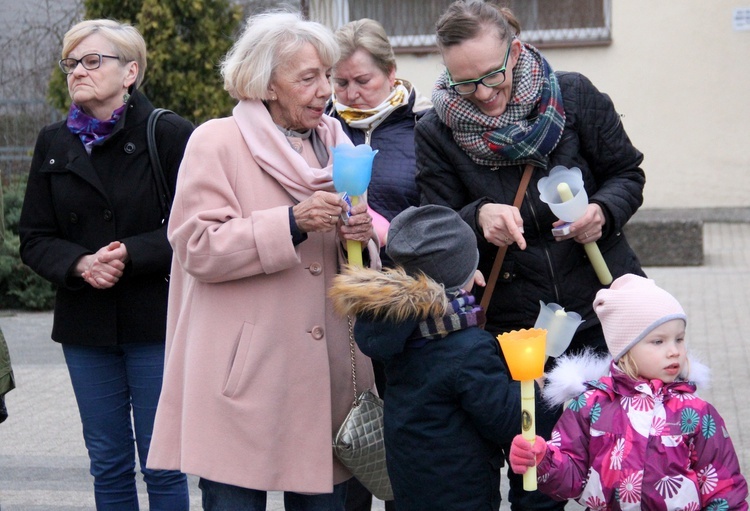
column 274, row 155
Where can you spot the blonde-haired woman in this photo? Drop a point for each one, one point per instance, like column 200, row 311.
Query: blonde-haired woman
column 92, row 224
column 377, row 108
column 258, row 372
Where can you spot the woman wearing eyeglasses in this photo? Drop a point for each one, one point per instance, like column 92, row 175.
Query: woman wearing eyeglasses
column 498, row 107
column 92, row 224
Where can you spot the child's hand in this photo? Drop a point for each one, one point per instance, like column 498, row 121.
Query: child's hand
column 523, row 454
column 479, row 279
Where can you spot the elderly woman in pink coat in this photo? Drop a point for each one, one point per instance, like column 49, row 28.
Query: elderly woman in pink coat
column 258, row 369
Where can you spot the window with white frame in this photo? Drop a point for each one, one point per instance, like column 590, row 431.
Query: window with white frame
column 410, row 24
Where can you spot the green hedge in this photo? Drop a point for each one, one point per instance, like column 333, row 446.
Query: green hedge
column 20, row 287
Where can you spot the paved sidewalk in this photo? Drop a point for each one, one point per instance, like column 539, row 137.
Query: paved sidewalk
column 43, row 462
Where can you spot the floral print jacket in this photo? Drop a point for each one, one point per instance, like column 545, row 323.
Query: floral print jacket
column 625, row 445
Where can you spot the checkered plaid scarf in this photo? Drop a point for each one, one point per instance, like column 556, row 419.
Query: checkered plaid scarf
column 526, row 132
column 462, row 312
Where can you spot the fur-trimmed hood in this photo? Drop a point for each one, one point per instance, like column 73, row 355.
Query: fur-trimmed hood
column 388, row 306
column 572, row 373
column 390, row 295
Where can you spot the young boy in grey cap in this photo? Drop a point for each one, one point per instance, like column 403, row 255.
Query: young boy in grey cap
column 450, row 400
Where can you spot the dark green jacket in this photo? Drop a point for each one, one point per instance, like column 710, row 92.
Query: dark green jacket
column 7, row 383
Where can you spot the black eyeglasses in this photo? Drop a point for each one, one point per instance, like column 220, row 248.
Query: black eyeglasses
column 90, row 61
column 491, row 79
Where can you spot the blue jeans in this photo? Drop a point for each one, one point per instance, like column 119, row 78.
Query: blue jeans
column 109, row 382
column 225, row 497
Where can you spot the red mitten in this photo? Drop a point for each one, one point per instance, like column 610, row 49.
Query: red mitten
column 523, row 454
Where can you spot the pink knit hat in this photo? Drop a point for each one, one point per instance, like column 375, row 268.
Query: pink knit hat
column 630, row 309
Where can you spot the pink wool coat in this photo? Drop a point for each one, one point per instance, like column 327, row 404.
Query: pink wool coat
column 258, row 373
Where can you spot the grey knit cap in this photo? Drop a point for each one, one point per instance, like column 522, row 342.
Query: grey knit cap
column 436, row 241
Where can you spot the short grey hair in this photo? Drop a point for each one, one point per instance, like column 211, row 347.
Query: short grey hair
column 126, row 41
column 268, row 40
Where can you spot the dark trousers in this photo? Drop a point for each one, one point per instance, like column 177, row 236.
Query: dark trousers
column 359, row 499
column 117, row 389
column 226, row 497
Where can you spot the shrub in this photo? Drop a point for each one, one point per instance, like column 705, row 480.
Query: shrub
column 185, row 40
column 20, row 287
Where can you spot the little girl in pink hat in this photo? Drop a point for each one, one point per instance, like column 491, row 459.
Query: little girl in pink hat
column 635, row 435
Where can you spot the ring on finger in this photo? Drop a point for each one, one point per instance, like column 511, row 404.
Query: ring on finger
column 586, row 235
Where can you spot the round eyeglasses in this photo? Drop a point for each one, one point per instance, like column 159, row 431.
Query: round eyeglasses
column 492, row 79
column 89, row 62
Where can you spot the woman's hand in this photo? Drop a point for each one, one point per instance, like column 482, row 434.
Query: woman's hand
column 588, row 228
column 501, row 225
column 359, row 225
column 103, row 269
column 319, row 213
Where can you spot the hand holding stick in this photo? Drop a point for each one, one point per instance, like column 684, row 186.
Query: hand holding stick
column 592, row 249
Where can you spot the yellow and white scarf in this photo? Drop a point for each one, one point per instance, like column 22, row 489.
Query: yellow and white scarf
column 371, row 118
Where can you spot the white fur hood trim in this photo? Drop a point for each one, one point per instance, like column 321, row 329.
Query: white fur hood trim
column 567, row 379
column 569, row 376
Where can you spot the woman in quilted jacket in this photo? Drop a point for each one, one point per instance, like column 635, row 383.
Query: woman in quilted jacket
column 635, row 435
column 499, row 107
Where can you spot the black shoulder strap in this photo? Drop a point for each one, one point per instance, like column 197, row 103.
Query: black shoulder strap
column 165, row 197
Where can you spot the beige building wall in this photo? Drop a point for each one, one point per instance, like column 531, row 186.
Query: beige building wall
column 679, row 74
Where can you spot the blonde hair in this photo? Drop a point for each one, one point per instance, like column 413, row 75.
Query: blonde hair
column 628, row 366
column 127, row 42
column 370, row 36
column 268, row 40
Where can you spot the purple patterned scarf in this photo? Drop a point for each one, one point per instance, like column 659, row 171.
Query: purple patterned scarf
column 462, row 313
column 526, row 132
column 91, row 131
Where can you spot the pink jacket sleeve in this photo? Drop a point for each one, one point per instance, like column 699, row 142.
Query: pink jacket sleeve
column 562, row 473
column 715, row 461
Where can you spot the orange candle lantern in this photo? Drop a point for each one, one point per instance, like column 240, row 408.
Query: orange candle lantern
column 525, row 353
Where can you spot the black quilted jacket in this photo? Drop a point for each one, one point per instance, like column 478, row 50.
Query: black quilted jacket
column 593, row 140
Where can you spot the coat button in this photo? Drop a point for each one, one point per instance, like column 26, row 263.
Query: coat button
column 506, row 275
column 317, row 332
column 52, row 161
column 107, row 215
column 130, row 148
column 73, row 218
column 316, row 268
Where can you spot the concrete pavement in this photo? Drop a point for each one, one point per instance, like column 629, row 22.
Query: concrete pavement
column 43, row 462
